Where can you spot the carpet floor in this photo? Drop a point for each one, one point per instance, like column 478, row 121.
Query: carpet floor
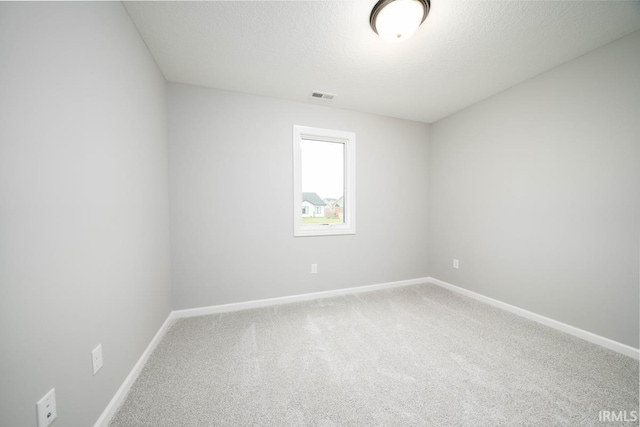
column 412, row 356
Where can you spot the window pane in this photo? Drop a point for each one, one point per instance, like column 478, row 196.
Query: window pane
column 322, row 176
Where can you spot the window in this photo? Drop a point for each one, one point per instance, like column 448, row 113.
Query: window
column 324, row 181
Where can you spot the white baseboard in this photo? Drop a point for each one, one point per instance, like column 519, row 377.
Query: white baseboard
column 571, row 330
column 120, row 395
column 293, row 298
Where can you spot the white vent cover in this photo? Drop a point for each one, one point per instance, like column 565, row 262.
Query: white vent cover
column 322, row 95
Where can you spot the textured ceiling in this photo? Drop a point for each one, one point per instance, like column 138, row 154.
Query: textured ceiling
column 466, row 50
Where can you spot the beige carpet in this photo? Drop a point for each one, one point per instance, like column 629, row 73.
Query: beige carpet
column 411, row 356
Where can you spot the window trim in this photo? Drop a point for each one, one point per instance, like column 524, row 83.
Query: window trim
column 349, row 214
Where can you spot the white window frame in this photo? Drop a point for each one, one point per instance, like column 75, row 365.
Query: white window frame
column 301, row 133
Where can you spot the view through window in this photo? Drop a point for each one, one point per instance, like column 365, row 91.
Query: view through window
column 322, row 166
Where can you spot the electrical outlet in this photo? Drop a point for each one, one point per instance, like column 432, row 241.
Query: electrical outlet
column 456, row 263
column 46, row 409
column 96, row 358
column 314, row 268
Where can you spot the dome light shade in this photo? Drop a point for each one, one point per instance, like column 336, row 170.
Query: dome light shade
column 397, row 20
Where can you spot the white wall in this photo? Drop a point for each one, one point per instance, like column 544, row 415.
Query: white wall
column 537, row 192
column 227, row 148
column 83, row 205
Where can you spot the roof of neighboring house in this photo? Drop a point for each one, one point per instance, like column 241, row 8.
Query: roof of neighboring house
column 313, row 198
column 340, row 202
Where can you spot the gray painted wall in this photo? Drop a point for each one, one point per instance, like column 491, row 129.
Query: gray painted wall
column 231, row 200
column 537, row 192
column 83, row 206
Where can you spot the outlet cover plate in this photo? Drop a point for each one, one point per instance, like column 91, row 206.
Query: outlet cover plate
column 46, row 409
column 96, row 358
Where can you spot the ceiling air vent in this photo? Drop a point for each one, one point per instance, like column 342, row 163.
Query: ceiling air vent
column 323, row 95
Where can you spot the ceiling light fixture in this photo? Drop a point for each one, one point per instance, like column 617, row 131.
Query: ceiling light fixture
column 397, row 20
